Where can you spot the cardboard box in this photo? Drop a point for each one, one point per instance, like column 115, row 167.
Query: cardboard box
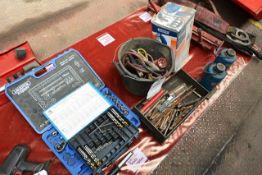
column 173, row 27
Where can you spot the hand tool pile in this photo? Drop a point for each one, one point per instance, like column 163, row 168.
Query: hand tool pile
column 143, row 65
column 178, row 97
column 142, row 61
column 172, row 107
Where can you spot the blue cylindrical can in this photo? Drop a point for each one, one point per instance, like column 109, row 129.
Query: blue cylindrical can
column 214, row 73
column 226, row 57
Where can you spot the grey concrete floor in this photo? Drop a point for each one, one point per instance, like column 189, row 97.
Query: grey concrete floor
column 243, row 154
column 51, row 26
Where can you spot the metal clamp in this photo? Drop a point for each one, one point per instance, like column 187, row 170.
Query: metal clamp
column 239, row 36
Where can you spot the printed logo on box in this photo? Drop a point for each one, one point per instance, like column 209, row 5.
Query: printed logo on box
column 21, row 88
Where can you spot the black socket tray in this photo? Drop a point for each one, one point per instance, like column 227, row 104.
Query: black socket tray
column 177, row 79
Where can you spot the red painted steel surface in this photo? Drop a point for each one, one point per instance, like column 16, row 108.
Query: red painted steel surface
column 254, row 7
column 14, row 129
column 9, row 64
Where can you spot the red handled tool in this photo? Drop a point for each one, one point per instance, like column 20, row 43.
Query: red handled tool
column 152, row 101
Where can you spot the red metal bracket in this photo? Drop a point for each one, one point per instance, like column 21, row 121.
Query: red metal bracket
column 205, row 39
column 10, row 64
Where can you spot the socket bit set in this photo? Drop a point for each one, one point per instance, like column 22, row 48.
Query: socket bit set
column 165, row 112
column 101, row 141
column 96, row 146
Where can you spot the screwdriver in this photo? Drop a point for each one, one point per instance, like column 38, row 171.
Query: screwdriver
column 117, row 168
column 152, row 101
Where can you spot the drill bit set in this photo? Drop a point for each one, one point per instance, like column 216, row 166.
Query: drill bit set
column 82, row 121
column 101, row 140
column 178, row 98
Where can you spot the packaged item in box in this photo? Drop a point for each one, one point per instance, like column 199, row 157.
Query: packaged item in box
column 173, row 27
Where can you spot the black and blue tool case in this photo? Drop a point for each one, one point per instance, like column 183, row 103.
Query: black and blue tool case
column 51, row 98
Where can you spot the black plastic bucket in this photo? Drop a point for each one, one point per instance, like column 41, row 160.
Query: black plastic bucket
column 135, row 85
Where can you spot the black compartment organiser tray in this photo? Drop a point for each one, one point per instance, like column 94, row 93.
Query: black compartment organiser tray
column 100, row 141
column 200, row 93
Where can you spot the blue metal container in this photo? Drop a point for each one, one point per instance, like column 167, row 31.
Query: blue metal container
column 226, row 57
column 214, row 73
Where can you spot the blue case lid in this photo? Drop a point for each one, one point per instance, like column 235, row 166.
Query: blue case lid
column 45, row 85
